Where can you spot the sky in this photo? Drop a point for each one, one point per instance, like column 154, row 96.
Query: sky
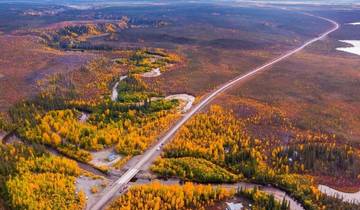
column 109, row 2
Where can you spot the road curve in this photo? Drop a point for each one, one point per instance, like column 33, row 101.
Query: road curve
column 149, row 154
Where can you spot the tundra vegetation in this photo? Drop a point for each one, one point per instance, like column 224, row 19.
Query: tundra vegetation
column 214, row 147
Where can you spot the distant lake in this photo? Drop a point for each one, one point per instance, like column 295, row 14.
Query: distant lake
column 355, row 49
column 354, row 24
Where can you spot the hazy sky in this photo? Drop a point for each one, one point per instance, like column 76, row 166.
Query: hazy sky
column 169, row 1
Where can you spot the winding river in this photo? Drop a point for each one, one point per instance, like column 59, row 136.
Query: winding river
column 114, row 93
column 153, row 73
column 278, row 194
column 189, row 100
column 348, row 197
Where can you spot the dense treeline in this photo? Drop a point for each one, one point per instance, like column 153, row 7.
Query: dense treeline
column 72, row 36
column 330, row 159
column 5, row 125
column 32, row 179
column 142, row 61
column 194, row 169
column 190, row 196
column 263, row 200
column 133, row 90
column 333, row 203
column 218, row 137
column 157, row 196
column 131, row 134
